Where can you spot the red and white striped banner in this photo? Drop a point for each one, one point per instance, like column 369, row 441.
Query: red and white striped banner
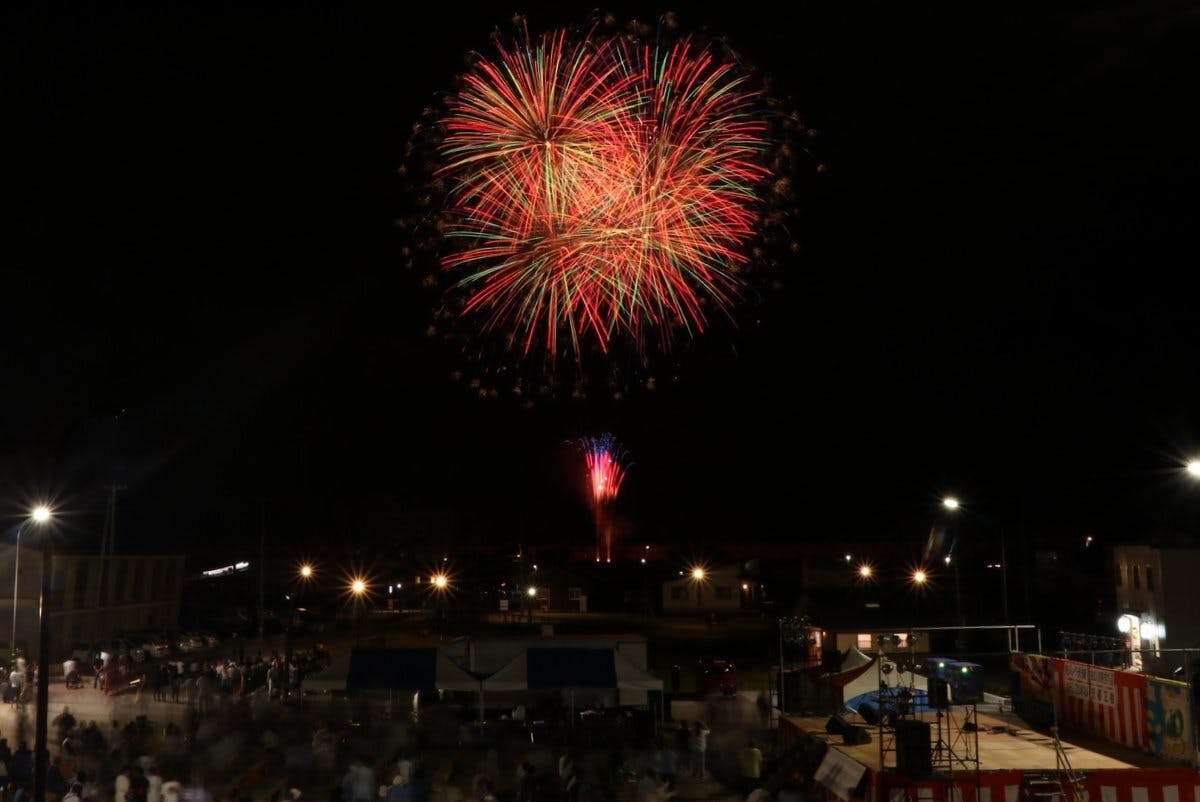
column 1105, row 785
column 1103, row 701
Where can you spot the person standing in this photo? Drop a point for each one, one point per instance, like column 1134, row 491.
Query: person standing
column 647, row 790
column 698, row 747
column 154, row 784
column 751, row 760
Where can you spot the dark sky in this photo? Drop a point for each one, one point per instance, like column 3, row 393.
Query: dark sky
column 992, row 296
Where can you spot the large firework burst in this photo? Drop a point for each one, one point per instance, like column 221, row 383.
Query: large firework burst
column 600, row 188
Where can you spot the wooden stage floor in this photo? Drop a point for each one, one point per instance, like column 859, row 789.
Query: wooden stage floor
column 1005, row 742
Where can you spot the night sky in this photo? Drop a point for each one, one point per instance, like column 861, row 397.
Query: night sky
column 206, row 297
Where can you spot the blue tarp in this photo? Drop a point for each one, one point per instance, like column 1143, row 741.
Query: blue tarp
column 545, row 668
column 392, row 670
column 572, row 668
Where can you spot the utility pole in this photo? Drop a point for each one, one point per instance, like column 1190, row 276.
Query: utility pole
column 262, row 572
column 105, row 587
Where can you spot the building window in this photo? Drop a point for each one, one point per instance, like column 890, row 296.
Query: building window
column 121, row 576
column 1149, row 578
column 169, row 586
column 679, row 593
column 722, row 593
column 1120, row 574
column 574, row 594
column 139, row 581
column 156, row 583
column 81, row 579
column 58, row 583
column 1137, row 577
column 866, row 640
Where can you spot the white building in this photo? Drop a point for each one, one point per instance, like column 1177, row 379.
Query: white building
column 1158, row 605
column 142, row 593
column 711, row 591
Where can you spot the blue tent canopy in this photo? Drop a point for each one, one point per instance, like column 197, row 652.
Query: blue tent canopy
column 567, row 667
column 393, row 670
column 573, row 668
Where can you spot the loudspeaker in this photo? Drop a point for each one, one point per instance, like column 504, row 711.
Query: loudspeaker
column 870, row 713
column 939, row 693
column 856, row 735
column 837, row 725
column 914, row 752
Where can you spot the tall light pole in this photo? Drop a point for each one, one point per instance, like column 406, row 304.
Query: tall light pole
column 951, row 504
column 358, row 587
column 698, row 576
column 441, row 584
column 39, row 515
column 41, row 756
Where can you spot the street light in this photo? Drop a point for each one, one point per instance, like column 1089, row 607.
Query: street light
column 699, row 574
column 39, row 515
column 531, row 594
column 951, row 503
column 306, row 571
column 358, row 587
column 1193, row 468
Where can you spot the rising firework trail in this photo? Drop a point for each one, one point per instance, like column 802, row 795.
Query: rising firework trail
column 600, row 188
column 606, row 472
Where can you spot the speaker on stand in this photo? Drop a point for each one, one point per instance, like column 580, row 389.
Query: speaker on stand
column 914, row 753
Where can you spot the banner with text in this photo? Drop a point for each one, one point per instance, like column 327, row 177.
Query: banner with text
column 1103, row 701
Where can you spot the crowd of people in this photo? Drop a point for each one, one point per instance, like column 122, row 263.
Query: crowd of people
column 246, row 735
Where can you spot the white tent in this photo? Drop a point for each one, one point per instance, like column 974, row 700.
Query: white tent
column 330, row 678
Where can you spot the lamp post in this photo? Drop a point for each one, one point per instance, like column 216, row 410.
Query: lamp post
column 41, row 756
column 441, row 583
column 358, row 587
column 698, row 575
column 39, row 515
column 951, row 504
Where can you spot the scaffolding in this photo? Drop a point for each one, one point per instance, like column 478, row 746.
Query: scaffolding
column 953, row 730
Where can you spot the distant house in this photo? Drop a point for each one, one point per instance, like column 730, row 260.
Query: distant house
column 557, row 590
column 717, row 590
column 1157, row 603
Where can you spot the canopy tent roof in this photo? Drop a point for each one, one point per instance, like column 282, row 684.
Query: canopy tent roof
column 550, row 668
column 854, row 665
column 392, row 670
column 330, row 678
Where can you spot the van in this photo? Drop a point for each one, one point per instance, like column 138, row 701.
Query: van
column 718, row 675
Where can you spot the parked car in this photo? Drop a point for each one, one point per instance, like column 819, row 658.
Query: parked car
column 718, row 675
column 191, row 642
column 118, row 648
column 82, row 653
column 154, row 645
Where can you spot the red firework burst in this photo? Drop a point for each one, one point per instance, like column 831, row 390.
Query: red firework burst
column 606, row 472
column 600, row 188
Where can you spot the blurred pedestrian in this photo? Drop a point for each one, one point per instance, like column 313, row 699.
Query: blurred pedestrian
column 697, row 747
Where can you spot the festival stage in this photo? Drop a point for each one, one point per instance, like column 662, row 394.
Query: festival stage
column 1005, row 743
